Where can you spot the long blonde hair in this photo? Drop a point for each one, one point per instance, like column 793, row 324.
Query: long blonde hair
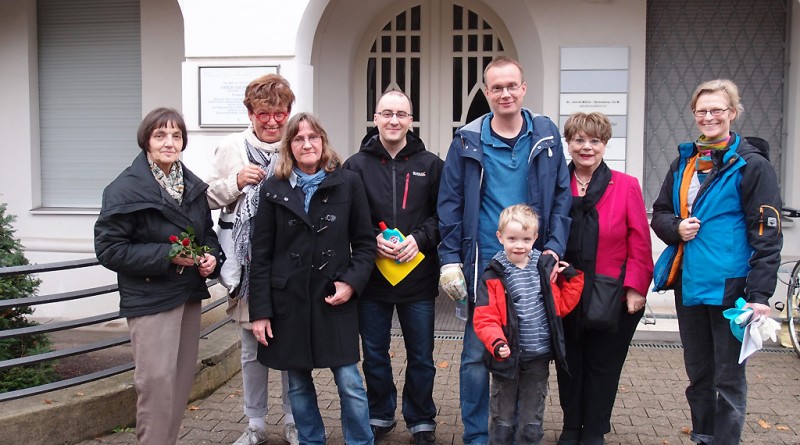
column 329, row 160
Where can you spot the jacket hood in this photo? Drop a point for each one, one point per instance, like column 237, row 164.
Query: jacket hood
column 371, row 143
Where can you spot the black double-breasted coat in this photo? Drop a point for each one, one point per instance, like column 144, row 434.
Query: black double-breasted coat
column 296, row 257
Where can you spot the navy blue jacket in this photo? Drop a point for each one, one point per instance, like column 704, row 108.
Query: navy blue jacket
column 460, row 194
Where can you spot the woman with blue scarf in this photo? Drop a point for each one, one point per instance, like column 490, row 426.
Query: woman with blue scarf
column 719, row 214
column 313, row 249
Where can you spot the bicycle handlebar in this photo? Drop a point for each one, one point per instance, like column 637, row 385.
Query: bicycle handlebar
column 791, row 212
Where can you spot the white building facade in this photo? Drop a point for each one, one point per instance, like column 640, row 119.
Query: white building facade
column 77, row 76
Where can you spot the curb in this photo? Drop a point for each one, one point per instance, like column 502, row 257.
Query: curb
column 90, row 410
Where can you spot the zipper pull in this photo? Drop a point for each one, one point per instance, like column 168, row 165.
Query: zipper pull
column 405, row 192
column 549, row 152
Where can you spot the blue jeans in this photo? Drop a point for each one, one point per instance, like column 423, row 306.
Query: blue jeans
column 473, row 387
column 416, row 321
column 717, row 392
column 352, row 398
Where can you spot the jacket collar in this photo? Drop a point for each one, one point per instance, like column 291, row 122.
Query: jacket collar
column 282, row 192
column 371, row 143
column 471, row 135
column 737, row 147
column 136, row 189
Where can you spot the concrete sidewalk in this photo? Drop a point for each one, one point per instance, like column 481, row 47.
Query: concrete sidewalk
column 650, row 407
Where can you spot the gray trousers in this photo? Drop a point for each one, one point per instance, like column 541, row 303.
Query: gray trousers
column 255, row 381
column 516, row 406
column 165, row 354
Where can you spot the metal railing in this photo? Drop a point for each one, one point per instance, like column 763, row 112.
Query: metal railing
column 72, row 324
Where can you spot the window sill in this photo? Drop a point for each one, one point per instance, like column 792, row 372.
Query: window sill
column 65, row 211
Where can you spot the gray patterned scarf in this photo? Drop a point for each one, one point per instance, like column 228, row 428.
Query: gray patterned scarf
column 245, row 212
column 172, row 181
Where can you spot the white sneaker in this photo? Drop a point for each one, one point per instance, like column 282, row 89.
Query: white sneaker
column 252, row 436
column 290, row 434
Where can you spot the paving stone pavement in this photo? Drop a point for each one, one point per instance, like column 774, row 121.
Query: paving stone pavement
column 650, row 408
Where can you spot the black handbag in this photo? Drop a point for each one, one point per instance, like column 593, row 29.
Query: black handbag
column 602, row 311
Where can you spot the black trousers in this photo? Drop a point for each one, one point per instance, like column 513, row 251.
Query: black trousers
column 595, row 360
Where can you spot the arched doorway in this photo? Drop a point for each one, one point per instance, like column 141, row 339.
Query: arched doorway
column 436, row 53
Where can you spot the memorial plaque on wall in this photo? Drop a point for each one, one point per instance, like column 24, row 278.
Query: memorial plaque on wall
column 221, row 93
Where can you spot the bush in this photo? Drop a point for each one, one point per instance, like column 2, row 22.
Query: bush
column 11, row 287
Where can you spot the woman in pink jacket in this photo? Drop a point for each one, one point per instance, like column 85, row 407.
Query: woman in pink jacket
column 610, row 242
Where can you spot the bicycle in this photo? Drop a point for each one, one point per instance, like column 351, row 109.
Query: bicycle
column 792, row 305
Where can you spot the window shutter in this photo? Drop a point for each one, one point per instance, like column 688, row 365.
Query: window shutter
column 90, row 88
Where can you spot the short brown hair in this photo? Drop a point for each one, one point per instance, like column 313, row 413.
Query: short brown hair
column 160, row 118
column 395, row 93
column 712, row 86
column 503, row 61
column 596, row 125
column 269, row 90
column 521, row 213
column 286, row 161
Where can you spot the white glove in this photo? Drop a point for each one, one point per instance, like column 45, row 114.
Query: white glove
column 452, row 282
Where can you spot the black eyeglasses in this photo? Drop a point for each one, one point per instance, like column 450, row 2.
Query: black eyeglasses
column 513, row 88
column 265, row 117
column 388, row 114
column 714, row 112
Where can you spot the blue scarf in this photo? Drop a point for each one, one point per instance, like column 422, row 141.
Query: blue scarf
column 309, row 183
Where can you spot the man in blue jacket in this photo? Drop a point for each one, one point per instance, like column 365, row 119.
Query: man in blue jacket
column 506, row 157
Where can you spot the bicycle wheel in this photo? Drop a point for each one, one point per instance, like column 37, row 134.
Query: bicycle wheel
column 793, row 308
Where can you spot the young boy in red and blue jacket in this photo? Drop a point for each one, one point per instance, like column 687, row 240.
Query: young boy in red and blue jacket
column 517, row 317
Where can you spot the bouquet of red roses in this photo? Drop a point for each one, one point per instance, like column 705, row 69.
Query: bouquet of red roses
column 186, row 247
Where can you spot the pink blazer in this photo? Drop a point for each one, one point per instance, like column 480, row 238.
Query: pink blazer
column 624, row 232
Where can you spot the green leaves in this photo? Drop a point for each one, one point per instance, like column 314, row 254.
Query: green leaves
column 13, row 287
column 185, row 246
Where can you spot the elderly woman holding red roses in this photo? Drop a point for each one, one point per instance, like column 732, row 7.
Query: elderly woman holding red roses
column 151, row 201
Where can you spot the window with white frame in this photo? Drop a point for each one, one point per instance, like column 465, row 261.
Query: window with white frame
column 447, row 92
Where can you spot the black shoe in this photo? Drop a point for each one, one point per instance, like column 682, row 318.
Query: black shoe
column 593, row 440
column 569, row 436
column 378, row 432
column 425, row 438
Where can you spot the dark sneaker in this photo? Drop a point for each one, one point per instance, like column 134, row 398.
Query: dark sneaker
column 425, row 438
column 380, row 431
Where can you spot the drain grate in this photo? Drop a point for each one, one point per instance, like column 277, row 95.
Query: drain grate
column 448, row 336
column 655, row 345
column 444, row 335
column 436, row 335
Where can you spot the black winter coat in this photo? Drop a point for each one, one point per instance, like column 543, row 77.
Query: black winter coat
column 131, row 237
column 402, row 192
column 296, row 257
